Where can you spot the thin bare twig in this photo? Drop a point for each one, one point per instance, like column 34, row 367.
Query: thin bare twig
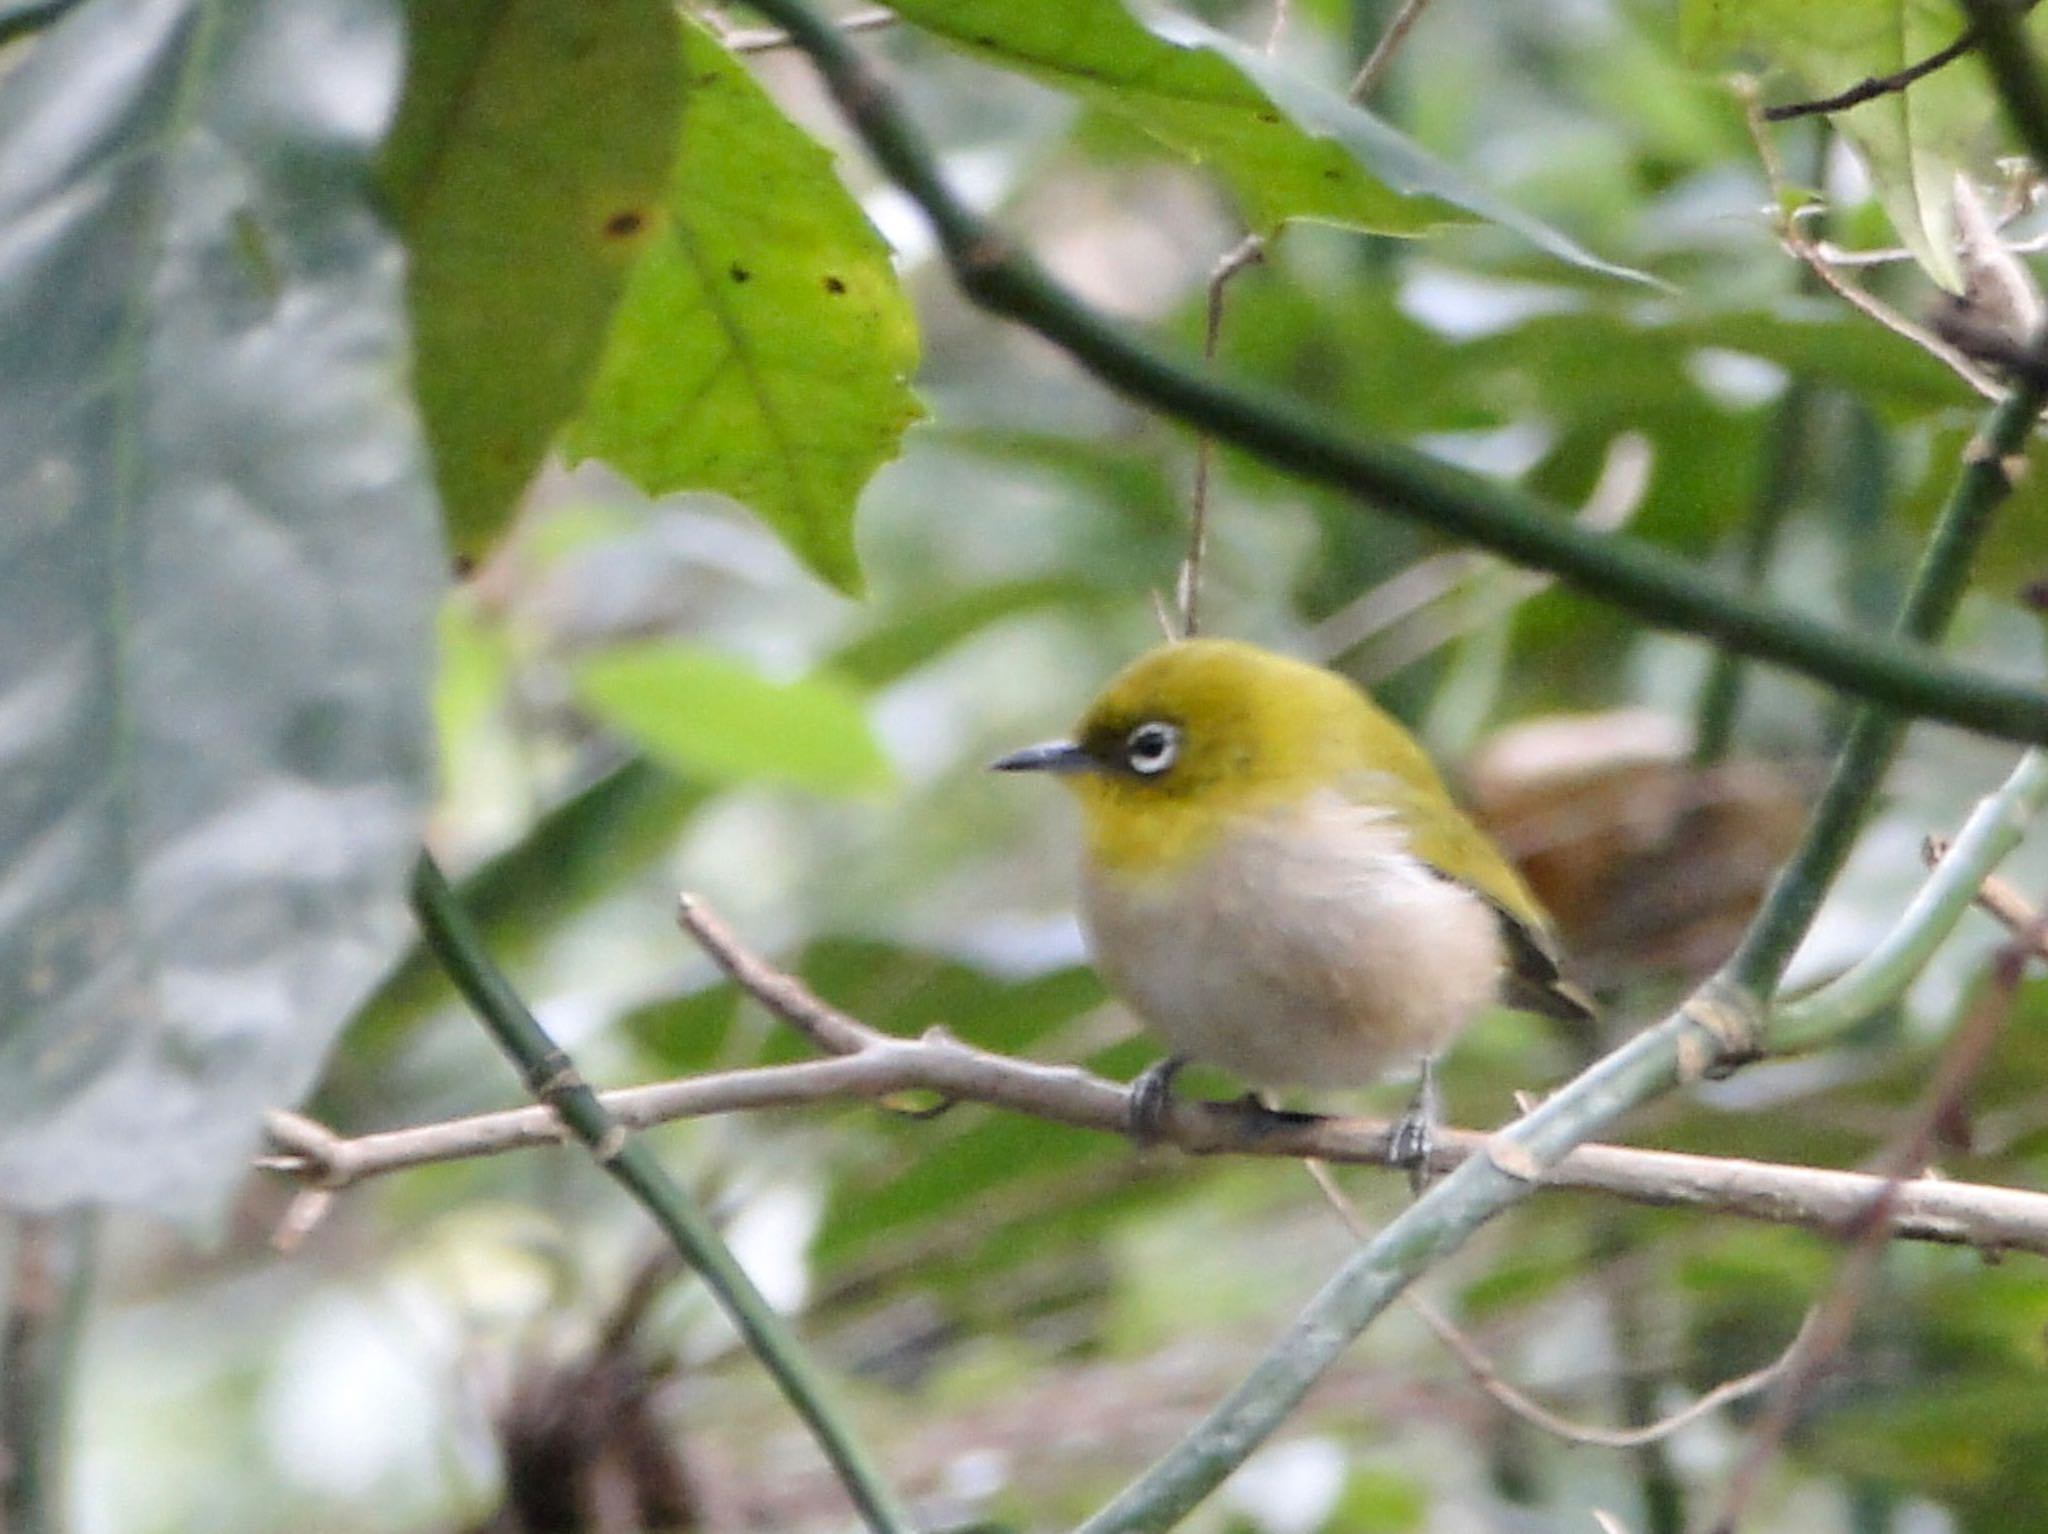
column 869, row 1065
column 1367, row 80
column 1487, row 1376
column 1250, row 252
column 1281, row 14
column 1891, row 255
column 1872, row 86
column 832, row 1031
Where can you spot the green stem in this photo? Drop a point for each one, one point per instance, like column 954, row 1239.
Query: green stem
column 45, row 1319
column 552, row 1077
column 2011, row 63
column 1791, row 430
column 1661, row 589
column 1787, row 447
column 1994, row 828
column 1875, row 735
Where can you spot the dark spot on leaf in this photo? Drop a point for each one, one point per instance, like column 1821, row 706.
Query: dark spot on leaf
column 983, row 40
column 464, row 565
column 1331, row 173
column 740, row 273
column 2035, row 595
column 705, row 80
column 1269, row 117
column 625, row 222
column 834, row 284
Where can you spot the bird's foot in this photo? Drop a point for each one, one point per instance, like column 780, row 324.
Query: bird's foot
column 1151, row 1097
column 1413, row 1140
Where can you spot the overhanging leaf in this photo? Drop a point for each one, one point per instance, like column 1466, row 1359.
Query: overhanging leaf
column 763, row 346
column 527, row 163
column 218, row 562
column 1913, row 141
column 1288, row 148
column 712, row 717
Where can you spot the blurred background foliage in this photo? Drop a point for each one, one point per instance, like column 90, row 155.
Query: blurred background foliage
column 643, row 693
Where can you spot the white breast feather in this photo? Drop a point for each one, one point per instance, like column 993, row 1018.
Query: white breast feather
column 1314, row 949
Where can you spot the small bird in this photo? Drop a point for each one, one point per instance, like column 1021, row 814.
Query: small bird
column 1276, row 881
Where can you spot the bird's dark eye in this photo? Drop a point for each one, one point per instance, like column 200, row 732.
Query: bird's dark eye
column 1151, row 748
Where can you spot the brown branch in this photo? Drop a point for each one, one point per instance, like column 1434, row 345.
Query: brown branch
column 1375, row 66
column 869, row 1065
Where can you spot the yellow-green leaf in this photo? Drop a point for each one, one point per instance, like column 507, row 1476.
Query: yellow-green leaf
column 527, row 164
column 713, row 718
column 763, row 348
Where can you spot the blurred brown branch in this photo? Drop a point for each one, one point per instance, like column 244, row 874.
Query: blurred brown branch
column 868, row 1065
column 1827, row 1333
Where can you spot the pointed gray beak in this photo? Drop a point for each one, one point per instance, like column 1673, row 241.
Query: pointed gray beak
column 1053, row 756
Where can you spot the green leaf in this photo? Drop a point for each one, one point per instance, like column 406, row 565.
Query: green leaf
column 711, row 717
column 1913, row 141
column 1287, row 148
column 763, row 346
column 219, row 557
column 528, row 163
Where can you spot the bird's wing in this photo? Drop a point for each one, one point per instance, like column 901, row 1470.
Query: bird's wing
column 1442, row 838
column 1533, row 983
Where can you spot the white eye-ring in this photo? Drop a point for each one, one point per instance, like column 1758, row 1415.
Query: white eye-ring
column 1151, row 748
